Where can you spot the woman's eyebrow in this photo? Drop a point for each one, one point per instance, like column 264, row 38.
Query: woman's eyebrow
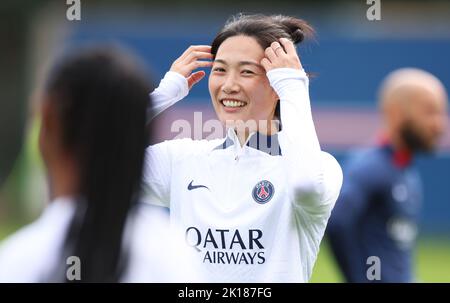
column 220, row 61
column 250, row 63
column 240, row 63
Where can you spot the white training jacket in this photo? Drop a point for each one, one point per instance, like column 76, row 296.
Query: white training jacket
column 32, row 254
column 253, row 213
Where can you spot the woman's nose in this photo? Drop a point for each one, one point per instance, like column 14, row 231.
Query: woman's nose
column 230, row 85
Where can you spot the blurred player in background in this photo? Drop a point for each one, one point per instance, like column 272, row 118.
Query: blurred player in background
column 93, row 140
column 378, row 210
column 254, row 204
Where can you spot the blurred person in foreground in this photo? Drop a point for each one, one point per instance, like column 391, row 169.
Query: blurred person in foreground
column 377, row 212
column 92, row 139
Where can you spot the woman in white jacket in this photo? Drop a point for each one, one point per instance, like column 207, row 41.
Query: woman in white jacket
column 254, row 205
column 93, row 140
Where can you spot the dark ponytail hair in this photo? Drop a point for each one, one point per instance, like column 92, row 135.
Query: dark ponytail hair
column 100, row 96
column 265, row 29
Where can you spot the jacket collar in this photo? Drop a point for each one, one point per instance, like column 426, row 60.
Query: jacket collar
column 256, row 140
column 400, row 158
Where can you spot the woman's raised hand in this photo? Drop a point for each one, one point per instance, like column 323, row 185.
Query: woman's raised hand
column 281, row 55
column 193, row 58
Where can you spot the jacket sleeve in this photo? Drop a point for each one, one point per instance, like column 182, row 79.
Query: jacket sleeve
column 315, row 175
column 158, row 160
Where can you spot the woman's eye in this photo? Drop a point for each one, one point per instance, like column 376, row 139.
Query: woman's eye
column 218, row 69
column 246, row 71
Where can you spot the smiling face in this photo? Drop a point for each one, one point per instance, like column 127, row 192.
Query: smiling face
column 239, row 87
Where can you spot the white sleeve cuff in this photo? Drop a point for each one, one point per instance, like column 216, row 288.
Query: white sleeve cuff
column 172, row 88
column 282, row 79
column 175, row 85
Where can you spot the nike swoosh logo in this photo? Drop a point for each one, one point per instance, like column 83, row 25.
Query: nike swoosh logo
column 191, row 187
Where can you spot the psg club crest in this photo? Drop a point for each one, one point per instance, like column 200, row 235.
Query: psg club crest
column 263, row 192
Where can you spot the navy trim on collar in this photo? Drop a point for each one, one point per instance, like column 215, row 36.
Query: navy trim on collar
column 267, row 144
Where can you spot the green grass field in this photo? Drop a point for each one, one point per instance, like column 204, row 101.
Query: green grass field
column 432, row 260
column 6, row 229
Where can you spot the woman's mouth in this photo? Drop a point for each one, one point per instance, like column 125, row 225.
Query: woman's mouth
column 232, row 103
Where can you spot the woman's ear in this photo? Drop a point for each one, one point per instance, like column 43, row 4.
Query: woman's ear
column 48, row 132
column 275, row 96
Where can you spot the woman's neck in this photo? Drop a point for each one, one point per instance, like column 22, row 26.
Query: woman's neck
column 63, row 179
column 265, row 129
